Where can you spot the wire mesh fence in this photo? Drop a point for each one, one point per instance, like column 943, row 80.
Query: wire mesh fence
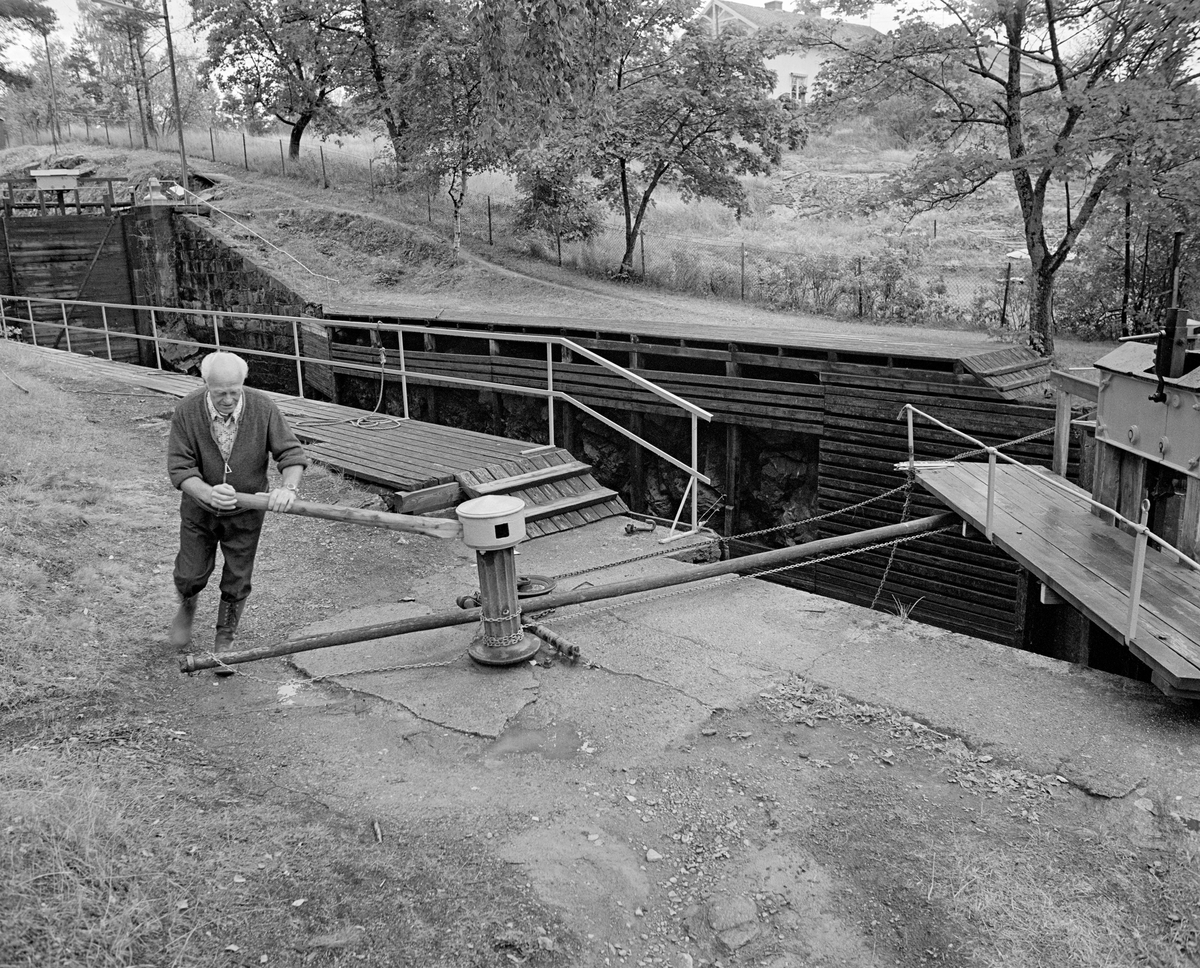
column 887, row 284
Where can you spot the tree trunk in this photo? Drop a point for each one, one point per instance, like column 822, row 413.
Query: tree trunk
column 458, row 194
column 1041, row 323
column 297, row 133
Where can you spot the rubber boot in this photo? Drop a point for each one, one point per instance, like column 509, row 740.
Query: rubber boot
column 227, row 622
column 181, row 625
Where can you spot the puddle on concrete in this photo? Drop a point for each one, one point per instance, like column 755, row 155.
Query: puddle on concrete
column 559, row 741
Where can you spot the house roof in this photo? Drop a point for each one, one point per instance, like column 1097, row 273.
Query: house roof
column 759, row 17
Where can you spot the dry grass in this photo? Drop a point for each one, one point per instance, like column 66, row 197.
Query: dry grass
column 1055, row 898
column 123, row 842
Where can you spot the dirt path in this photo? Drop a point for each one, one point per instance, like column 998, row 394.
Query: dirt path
column 610, row 822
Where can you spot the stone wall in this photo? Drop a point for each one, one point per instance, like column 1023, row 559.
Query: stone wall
column 178, row 261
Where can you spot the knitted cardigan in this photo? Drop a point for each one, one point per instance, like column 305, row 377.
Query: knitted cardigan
column 262, row 433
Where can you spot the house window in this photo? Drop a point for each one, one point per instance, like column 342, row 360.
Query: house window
column 799, row 87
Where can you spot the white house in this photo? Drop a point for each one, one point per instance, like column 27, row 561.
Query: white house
column 795, row 70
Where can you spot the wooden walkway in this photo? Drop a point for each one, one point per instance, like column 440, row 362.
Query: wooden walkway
column 1085, row 560
column 403, row 455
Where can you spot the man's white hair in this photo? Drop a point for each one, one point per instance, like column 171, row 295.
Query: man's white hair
column 223, row 360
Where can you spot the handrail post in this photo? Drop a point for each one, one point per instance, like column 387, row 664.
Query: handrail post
column 912, row 450
column 991, row 490
column 550, row 389
column 216, row 331
column 695, row 471
column 3, row 319
column 403, row 371
column 296, row 344
column 107, row 341
column 66, row 325
column 1062, row 432
column 154, row 332
column 1139, row 564
column 32, row 324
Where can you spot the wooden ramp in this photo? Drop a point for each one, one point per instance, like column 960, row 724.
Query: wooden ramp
column 1085, row 560
column 412, row 456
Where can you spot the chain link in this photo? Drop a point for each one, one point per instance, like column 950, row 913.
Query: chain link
column 887, row 570
column 725, row 582
column 1008, row 443
column 503, row 641
column 906, row 486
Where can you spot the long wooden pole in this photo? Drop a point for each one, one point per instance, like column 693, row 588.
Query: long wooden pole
column 578, row 596
column 433, row 527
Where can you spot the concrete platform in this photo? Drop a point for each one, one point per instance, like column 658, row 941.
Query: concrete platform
column 681, row 653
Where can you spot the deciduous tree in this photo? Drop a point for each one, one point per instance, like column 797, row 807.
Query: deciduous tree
column 636, row 91
column 1080, row 104
column 440, row 96
column 290, row 56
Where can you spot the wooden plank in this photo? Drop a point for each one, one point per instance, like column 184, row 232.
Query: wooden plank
column 1088, row 578
column 1075, row 385
column 596, row 496
column 429, row 498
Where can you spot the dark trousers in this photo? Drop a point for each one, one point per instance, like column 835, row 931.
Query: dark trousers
column 200, row 531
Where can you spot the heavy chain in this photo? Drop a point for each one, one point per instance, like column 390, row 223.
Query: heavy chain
column 503, row 641
column 1008, row 443
column 726, row 582
column 707, row 543
column 892, row 554
column 906, row 487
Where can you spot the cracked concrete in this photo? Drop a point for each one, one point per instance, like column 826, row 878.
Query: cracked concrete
column 718, row 644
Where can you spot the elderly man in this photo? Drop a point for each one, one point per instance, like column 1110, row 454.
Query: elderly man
column 221, row 438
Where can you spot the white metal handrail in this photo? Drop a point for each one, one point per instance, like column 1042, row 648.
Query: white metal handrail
column 1142, row 534
column 215, row 316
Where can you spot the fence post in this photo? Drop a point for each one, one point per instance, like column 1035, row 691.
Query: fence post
column 743, row 272
column 212, row 144
column 324, row 177
column 129, row 128
column 558, row 235
column 66, row 326
column 489, row 220
column 107, row 139
column 429, row 206
column 1004, row 301
column 642, row 245
column 245, row 157
column 858, row 275
column 32, row 324
column 282, row 163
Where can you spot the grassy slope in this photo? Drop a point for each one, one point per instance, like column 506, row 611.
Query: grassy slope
column 342, row 246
